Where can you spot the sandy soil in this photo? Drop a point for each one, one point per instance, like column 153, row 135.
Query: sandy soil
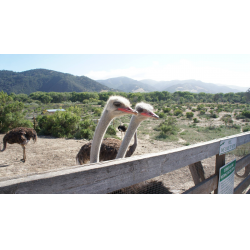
column 50, row 153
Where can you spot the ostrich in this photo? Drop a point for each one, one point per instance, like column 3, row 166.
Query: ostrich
column 116, row 106
column 108, row 151
column 122, row 129
column 145, row 111
column 21, row 136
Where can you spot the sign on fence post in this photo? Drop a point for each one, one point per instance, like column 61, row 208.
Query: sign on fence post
column 227, row 145
column 226, row 178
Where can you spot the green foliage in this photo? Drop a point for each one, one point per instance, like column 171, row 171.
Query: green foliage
column 196, row 120
column 189, row 115
column 246, row 113
column 177, row 112
column 11, row 114
column 161, row 114
column 201, row 107
column 168, row 127
column 166, row 110
column 246, row 129
column 227, row 119
column 59, row 124
column 97, row 111
column 111, row 130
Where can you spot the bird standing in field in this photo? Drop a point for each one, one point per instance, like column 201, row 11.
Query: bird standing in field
column 122, row 129
column 20, row 135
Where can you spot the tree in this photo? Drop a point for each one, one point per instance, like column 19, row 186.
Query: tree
column 248, row 95
column 11, row 114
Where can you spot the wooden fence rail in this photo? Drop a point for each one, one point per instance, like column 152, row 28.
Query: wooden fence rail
column 109, row 176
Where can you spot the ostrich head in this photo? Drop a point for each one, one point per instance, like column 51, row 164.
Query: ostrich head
column 117, row 106
column 145, row 111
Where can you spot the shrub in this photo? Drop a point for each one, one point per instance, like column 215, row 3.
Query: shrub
column 161, row 115
column 189, row 115
column 166, row 110
column 11, row 114
column 60, row 124
column 246, row 129
column 111, row 130
column 177, row 112
column 196, row 120
column 168, row 127
column 84, row 133
column 200, row 107
column 246, row 113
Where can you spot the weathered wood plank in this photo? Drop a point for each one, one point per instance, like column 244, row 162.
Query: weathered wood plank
column 242, row 186
column 105, row 177
column 205, row 187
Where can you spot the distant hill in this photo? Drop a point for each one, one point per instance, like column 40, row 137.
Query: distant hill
column 190, row 86
column 126, row 84
column 47, row 81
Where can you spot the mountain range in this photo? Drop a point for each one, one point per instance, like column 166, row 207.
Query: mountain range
column 48, row 80
column 129, row 85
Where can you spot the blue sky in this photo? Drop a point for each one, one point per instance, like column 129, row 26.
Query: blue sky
column 220, row 69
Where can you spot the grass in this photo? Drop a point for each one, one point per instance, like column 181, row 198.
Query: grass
column 242, row 150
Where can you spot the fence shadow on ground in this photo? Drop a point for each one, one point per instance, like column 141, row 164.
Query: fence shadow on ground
column 150, row 187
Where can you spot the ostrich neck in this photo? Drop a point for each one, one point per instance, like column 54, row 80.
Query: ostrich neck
column 132, row 148
column 98, row 136
column 134, row 123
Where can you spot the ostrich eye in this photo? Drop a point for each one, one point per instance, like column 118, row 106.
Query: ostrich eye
column 117, row 104
column 140, row 110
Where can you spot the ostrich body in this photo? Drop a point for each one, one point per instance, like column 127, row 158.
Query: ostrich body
column 108, row 151
column 145, row 111
column 116, row 106
column 122, row 129
column 20, row 135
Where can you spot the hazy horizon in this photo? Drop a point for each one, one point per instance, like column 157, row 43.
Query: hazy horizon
column 230, row 70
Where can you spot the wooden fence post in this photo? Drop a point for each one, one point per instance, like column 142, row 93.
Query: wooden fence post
column 197, row 172
column 220, row 162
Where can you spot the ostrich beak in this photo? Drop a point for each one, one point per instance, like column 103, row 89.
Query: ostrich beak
column 150, row 114
column 128, row 110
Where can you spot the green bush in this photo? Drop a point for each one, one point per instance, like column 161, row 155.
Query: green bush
column 12, row 114
column 168, row 127
column 200, row 107
column 161, row 115
column 196, row 120
column 111, row 130
column 177, row 112
column 84, row 133
column 246, row 113
column 189, row 115
column 60, row 124
column 166, row 110
column 246, row 129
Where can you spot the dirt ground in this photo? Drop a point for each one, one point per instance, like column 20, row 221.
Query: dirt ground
column 49, row 154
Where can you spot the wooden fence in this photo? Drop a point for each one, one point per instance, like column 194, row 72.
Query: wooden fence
column 109, row 176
